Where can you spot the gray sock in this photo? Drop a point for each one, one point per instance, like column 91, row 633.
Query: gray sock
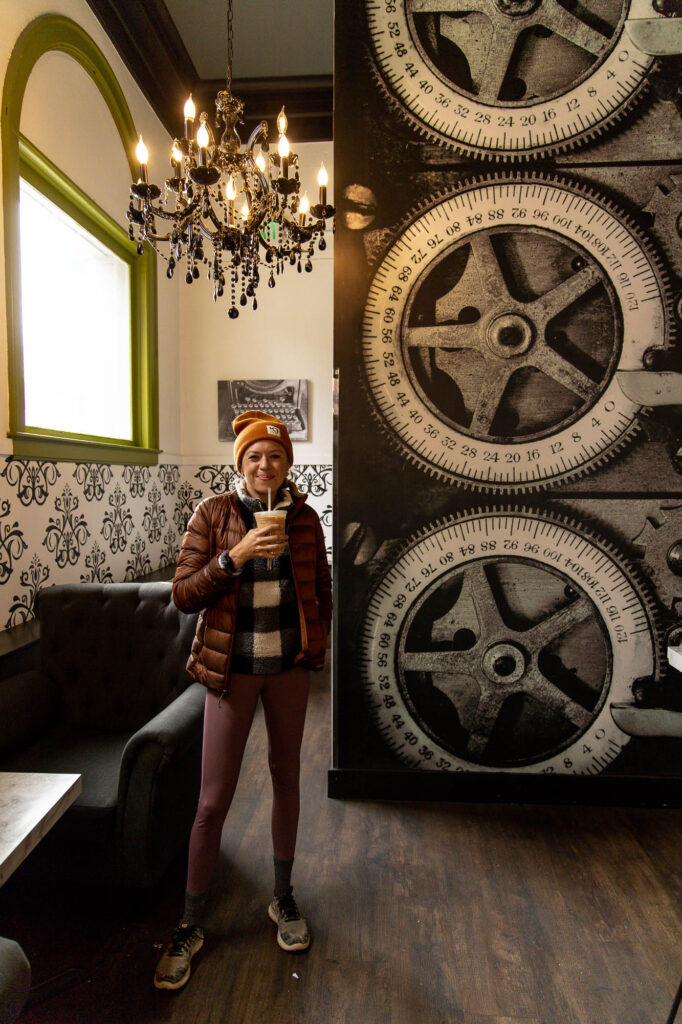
column 194, row 908
column 282, row 876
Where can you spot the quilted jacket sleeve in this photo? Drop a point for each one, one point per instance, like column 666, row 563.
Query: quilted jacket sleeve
column 198, row 579
column 323, row 577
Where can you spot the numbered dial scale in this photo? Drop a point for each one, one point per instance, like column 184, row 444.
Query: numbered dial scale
column 508, row 78
column 499, row 640
column 496, row 325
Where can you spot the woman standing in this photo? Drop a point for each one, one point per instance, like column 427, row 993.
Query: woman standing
column 265, row 603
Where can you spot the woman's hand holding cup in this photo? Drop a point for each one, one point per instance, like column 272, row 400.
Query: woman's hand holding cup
column 266, row 541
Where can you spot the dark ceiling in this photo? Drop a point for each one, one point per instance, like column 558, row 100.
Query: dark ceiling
column 169, row 47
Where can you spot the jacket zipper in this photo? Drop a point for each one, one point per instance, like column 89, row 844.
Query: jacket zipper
column 304, row 629
column 301, row 616
column 223, row 692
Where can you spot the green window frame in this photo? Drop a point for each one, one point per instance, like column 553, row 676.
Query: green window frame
column 20, row 159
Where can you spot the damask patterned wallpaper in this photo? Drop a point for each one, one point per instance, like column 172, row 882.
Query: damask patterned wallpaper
column 66, row 522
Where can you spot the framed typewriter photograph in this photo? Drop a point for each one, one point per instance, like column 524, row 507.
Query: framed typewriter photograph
column 285, row 399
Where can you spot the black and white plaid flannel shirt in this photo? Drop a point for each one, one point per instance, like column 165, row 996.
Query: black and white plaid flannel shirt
column 267, row 629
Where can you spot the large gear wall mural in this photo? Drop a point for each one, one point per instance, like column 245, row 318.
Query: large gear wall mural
column 509, row 391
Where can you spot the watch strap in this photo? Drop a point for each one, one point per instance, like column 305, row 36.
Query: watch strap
column 225, row 562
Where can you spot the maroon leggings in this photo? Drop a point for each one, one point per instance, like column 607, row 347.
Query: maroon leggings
column 227, row 722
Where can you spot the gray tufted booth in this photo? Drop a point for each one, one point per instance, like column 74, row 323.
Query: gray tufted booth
column 112, row 701
column 15, row 980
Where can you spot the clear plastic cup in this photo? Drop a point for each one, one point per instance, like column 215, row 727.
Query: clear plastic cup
column 275, row 515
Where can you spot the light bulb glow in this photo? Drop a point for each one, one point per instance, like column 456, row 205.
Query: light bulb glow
column 245, row 211
column 282, row 123
column 190, row 109
column 322, row 176
column 260, row 163
column 283, row 146
column 304, row 205
column 176, row 153
column 141, row 152
column 202, row 137
column 230, row 190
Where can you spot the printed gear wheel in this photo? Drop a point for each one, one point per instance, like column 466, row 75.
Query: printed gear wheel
column 499, row 638
column 454, row 310
column 661, row 544
column 506, row 79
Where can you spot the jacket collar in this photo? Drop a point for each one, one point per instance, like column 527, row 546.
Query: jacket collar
column 288, row 496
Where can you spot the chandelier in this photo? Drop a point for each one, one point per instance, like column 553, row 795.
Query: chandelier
column 236, row 210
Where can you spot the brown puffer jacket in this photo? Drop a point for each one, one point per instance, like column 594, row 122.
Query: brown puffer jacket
column 201, row 585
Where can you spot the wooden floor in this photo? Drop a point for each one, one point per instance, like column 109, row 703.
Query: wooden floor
column 422, row 914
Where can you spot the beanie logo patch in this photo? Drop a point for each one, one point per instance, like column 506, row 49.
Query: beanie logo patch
column 272, row 429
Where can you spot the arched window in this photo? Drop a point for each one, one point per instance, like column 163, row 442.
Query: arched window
column 81, row 304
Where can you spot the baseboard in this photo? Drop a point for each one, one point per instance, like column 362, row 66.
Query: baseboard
column 607, row 791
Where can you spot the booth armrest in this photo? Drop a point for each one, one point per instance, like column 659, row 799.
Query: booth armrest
column 159, row 786
column 169, row 732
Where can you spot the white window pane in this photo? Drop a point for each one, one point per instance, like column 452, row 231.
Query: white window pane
column 75, row 297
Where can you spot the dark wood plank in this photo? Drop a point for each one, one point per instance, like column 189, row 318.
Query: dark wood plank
column 422, row 913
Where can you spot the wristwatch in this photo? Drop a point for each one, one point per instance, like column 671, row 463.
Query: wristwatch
column 226, row 563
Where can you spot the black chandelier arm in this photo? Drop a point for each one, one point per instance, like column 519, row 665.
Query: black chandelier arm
column 301, row 232
column 261, row 129
column 322, row 212
column 270, row 250
column 150, row 236
column 214, row 237
column 180, row 217
column 260, row 206
column 215, row 220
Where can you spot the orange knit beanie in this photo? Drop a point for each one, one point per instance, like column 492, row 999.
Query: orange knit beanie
column 259, row 426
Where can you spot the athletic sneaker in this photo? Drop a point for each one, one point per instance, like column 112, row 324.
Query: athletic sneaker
column 173, row 969
column 292, row 930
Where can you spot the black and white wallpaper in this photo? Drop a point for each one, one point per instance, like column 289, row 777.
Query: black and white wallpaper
column 86, row 522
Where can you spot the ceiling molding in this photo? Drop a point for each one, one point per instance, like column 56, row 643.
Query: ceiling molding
column 150, row 46
column 307, row 101
column 153, row 51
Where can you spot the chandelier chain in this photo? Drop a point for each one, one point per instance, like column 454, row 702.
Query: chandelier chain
column 230, row 33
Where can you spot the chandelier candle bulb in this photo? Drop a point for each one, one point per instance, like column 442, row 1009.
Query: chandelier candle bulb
column 176, row 159
column 142, row 154
column 282, row 123
column 303, row 208
column 202, row 143
column 283, row 150
column 190, row 114
column 322, row 180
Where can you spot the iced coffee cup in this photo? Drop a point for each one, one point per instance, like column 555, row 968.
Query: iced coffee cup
column 266, row 518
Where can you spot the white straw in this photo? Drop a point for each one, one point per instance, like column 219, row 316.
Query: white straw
column 269, row 510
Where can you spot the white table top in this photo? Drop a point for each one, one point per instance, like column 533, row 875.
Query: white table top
column 30, row 804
